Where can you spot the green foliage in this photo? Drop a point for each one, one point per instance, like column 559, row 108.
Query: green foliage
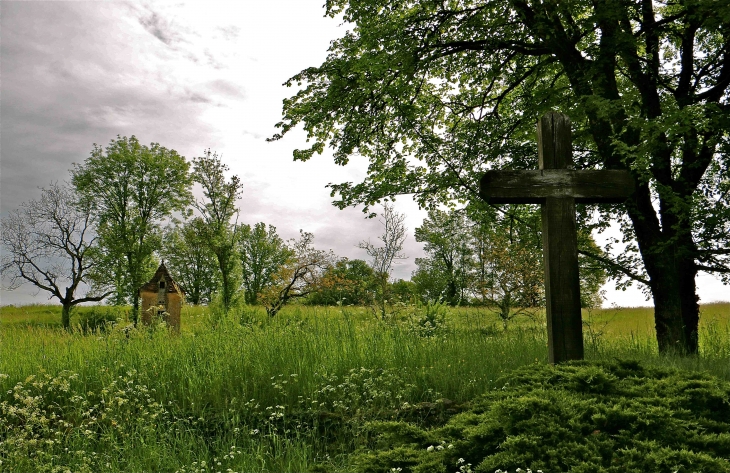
column 300, row 276
column 347, row 282
column 299, row 392
column 508, row 264
column 429, row 319
column 483, row 256
column 429, row 281
column 576, row 417
column 404, row 291
column 132, row 188
column 99, row 318
column 434, row 93
column 187, row 254
column 592, row 274
column 480, row 256
column 383, row 257
column 217, row 210
column 43, row 407
column 363, row 394
column 445, row 235
column 262, row 253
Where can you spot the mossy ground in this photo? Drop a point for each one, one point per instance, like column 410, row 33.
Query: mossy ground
column 580, row 417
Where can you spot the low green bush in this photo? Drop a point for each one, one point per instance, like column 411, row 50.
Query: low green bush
column 580, row 417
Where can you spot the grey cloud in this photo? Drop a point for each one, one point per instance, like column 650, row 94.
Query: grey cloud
column 62, row 91
column 338, row 230
column 212, row 61
column 227, row 88
column 191, row 57
column 204, row 93
column 160, row 28
column 199, row 98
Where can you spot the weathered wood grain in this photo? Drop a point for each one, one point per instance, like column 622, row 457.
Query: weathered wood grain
column 558, row 188
column 562, row 284
column 554, row 147
column 533, row 187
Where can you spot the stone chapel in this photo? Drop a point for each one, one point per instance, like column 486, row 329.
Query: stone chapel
column 162, row 298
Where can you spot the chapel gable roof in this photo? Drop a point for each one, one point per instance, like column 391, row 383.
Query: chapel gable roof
column 170, row 285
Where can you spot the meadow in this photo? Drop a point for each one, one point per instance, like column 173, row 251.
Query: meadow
column 243, row 392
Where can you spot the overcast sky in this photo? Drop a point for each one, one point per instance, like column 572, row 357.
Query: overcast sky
column 190, row 76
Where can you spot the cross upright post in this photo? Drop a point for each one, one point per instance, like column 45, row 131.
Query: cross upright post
column 560, row 246
column 557, row 188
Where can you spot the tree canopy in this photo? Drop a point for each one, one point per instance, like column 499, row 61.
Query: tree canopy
column 187, row 254
column 447, row 267
column 434, row 93
column 262, row 254
column 132, row 188
column 300, row 275
column 217, row 211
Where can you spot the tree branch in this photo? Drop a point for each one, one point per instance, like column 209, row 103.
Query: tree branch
column 712, row 269
column 614, row 265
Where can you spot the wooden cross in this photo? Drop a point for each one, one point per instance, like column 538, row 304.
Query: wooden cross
column 557, row 189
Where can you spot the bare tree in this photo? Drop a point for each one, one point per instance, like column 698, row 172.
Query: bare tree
column 48, row 244
column 383, row 257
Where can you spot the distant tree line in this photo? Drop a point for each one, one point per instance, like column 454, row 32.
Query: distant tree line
column 129, row 205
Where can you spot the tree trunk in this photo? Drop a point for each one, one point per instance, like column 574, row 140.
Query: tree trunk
column 194, row 296
column 226, row 289
column 504, row 315
column 668, row 250
column 275, row 307
column 223, row 254
column 133, row 270
column 676, row 308
column 135, row 309
column 66, row 316
column 505, row 307
column 451, row 292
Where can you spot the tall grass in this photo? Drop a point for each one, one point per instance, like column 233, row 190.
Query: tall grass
column 284, row 391
column 210, row 366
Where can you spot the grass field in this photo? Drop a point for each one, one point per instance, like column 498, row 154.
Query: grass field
column 247, row 393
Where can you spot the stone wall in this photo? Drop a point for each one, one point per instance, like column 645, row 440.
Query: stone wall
column 172, row 306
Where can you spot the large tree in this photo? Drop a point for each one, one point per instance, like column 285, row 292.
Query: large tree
column 262, row 253
column 346, row 282
column 445, row 235
column 508, row 263
column 434, row 93
column 514, row 232
column 220, row 214
column 132, row 189
column 186, row 254
column 48, row 243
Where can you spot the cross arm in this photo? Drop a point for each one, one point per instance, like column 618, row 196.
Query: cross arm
column 533, row 187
